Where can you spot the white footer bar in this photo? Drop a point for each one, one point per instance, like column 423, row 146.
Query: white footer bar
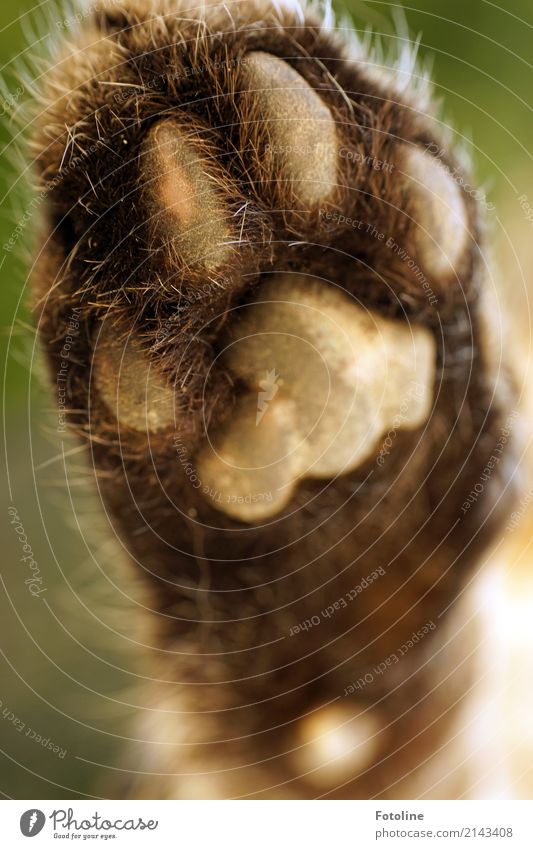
column 268, row 824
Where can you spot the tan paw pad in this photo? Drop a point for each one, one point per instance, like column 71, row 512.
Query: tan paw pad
column 300, row 147
column 326, row 380
column 438, row 210
column 129, row 384
column 186, row 196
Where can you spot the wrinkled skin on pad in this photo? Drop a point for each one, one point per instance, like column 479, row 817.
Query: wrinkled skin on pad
column 265, row 468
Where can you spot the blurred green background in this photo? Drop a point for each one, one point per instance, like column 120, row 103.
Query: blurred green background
column 69, row 668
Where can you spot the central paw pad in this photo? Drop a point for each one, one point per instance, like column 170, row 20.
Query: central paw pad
column 325, row 380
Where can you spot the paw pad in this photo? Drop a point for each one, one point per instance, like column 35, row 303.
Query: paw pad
column 182, row 181
column 439, row 212
column 339, row 376
column 128, row 383
column 296, row 134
